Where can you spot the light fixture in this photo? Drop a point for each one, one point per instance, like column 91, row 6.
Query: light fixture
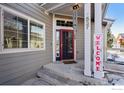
column 75, row 7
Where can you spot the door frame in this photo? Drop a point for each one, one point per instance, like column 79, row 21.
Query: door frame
column 55, row 28
column 61, row 40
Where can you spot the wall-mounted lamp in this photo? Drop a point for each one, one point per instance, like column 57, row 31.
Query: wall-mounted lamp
column 75, row 7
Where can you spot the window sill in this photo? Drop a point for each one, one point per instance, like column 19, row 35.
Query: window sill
column 9, row 51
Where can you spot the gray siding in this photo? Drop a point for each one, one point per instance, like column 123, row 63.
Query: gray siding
column 80, row 39
column 0, row 31
column 17, row 67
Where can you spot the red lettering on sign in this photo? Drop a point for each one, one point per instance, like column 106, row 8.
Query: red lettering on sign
column 97, row 53
column 98, row 58
column 98, row 47
column 98, row 37
column 98, row 63
column 97, row 42
column 97, row 69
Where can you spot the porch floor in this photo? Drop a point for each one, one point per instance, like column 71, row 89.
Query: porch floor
column 71, row 74
column 64, row 74
column 75, row 72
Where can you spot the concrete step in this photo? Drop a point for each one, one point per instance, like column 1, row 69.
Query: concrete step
column 48, row 78
column 74, row 74
column 55, row 78
column 35, row 81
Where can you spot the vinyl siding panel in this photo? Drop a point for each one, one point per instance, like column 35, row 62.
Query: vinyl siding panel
column 15, row 68
column 0, row 31
column 80, row 39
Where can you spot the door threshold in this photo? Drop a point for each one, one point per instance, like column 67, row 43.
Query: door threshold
column 68, row 60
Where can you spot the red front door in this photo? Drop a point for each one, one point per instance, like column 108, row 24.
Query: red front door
column 66, row 44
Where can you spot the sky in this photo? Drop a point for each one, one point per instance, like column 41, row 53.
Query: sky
column 116, row 11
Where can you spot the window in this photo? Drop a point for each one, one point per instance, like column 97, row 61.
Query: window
column 21, row 31
column 36, row 35
column 64, row 23
column 15, row 31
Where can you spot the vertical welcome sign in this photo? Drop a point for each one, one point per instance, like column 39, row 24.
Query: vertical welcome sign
column 98, row 55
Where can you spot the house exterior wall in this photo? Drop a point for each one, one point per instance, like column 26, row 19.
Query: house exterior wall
column 80, row 39
column 0, row 30
column 15, row 68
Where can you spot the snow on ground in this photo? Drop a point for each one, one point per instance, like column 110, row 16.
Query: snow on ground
column 115, row 79
column 115, row 57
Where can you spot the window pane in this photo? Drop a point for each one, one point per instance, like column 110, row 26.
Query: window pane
column 64, row 23
column 22, row 33
column 10, row 31
column 15, row 31
column 37, row 35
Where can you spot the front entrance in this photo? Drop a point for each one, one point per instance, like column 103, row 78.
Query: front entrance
column 64, row 44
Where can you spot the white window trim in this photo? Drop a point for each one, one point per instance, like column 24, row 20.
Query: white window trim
column 29, row 19
column 62, row 27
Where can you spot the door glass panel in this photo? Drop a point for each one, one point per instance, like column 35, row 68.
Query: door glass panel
column 67, row 45
column 70, row 42
column 57, row 45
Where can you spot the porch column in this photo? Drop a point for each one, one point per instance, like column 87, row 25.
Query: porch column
column 54, row 39
column 87, row 40
column 98, row 43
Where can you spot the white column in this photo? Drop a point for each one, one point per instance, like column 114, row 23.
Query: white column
column 98, row 43
column 54, row 39
column 87, row 33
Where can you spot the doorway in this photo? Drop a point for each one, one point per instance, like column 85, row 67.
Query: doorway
column 64, row 44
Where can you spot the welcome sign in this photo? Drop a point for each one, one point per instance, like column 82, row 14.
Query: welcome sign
column 98, row 55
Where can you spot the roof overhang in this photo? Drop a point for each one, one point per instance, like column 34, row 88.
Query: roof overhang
column 66, row 9
column 108, row 21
